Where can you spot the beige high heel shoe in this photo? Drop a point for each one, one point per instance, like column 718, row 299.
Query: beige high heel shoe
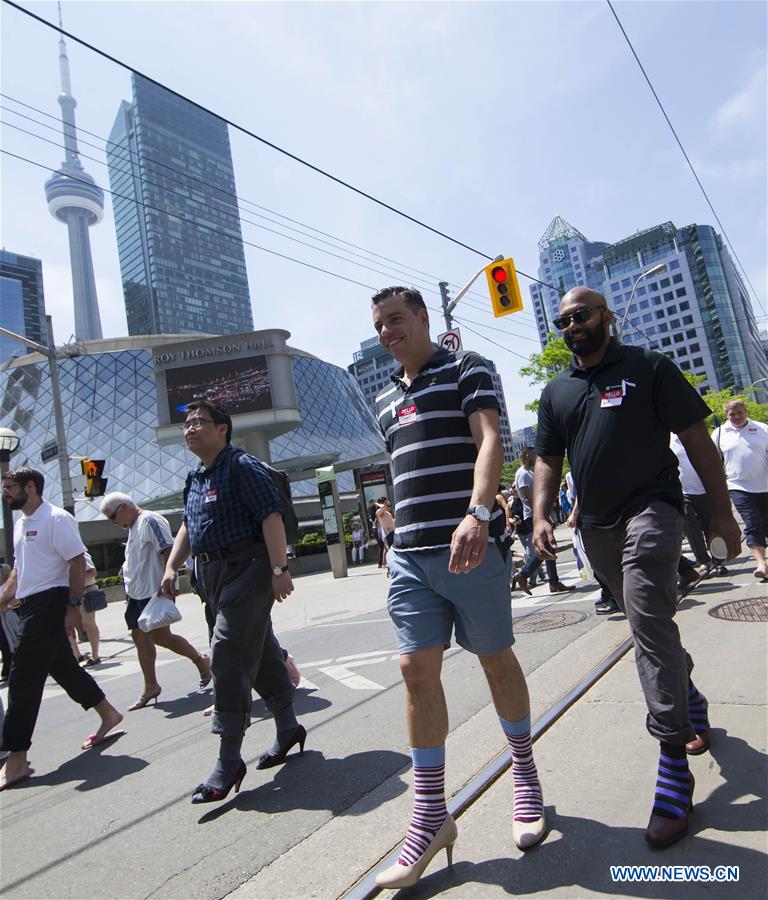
column 398, row 876
column 528, row 834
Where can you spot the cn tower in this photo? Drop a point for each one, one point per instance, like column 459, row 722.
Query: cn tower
column 75, row 199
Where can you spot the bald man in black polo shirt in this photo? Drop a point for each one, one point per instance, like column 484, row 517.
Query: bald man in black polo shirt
column 612, row 411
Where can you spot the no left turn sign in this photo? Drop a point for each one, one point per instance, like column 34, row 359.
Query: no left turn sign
column 450, row 340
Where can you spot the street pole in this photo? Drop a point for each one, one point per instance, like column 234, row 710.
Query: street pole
column 446, row 299
column 7, row 514
column 61, row 439
column 68, row 501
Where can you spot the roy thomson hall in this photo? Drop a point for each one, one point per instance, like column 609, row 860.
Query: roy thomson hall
column 123, row 400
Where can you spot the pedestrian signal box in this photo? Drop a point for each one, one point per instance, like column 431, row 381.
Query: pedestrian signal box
column 93, row 469
column 503, row 286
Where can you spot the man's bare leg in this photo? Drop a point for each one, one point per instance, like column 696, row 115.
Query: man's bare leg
column 145, row 648
column 164, row 637
column 16, row 769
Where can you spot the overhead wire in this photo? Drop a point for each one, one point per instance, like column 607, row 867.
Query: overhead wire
column 682, row 149
column 188, row 176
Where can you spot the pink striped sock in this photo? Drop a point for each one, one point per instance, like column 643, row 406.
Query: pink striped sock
column 528, row 803
column 429, row 809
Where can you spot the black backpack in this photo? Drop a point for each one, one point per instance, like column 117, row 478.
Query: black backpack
column 281, row 483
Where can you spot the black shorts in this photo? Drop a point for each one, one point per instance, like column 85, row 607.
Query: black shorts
column 133, row 610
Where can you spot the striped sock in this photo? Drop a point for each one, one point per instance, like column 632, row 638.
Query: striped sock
column 528, row 804
column 697, row 709
column 673, row 784
column 429, row 809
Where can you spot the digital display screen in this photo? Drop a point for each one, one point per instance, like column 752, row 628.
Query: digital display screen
column 240, row 385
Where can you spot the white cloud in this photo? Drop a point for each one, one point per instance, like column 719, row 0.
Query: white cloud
column 745, row 106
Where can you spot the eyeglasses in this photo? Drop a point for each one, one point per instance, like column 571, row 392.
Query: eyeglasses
column 193, row 424
column 115, row 511
column 578, row 317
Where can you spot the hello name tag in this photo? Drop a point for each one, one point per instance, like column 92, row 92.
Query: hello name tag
column 611, row 397
column 30, row 536
column 211, row 495
column 406, row 415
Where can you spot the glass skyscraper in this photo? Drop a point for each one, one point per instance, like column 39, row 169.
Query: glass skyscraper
column 22, row 303
column 697, row 311
column 176, row 217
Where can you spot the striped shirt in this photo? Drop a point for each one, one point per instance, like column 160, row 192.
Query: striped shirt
column 433, row 453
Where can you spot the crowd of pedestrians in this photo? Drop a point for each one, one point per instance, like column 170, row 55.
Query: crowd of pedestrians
column 644, row 470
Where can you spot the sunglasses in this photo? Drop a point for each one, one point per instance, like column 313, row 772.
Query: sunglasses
column 578, row 317
column 116, row 511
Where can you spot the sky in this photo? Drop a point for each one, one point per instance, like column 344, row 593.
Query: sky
column 482, row 119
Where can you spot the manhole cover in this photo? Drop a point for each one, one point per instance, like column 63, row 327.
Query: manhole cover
column 545, row 621
column 754, row 609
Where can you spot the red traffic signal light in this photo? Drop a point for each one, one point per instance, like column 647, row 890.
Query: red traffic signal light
column 93, row 470
column 503, row 287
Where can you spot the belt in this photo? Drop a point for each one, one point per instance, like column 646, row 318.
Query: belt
column 227, row 552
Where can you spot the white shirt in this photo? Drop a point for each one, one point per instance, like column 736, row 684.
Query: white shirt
column 143, row 568
column 570, row 487
column 745, row 454
column 44, row 543
column 524, row 478
column 688, row 478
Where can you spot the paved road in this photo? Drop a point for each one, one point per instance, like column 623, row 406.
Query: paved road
column 117, row 821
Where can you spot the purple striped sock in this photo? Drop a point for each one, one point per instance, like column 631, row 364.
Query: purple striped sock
column 697, row 710
column 673, row 784
column 429, row 809
column 528, row 804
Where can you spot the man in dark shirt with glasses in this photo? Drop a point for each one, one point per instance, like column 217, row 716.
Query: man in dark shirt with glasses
column 612, row 411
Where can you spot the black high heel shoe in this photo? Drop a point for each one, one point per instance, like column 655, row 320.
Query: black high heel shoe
column 268, row 760
column 204, row 793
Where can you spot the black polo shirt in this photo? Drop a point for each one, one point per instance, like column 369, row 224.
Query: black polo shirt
column 433, row 453
column 614, row 422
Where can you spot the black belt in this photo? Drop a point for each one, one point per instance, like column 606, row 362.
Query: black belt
column 228, row 552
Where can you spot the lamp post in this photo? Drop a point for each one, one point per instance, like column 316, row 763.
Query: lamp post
column 49, row 352
column 656, row 270
column 9, row 442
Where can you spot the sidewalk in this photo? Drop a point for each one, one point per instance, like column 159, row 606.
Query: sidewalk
column 598, row 770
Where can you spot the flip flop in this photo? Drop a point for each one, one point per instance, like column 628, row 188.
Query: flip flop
column 95, row 740
column 28, row 774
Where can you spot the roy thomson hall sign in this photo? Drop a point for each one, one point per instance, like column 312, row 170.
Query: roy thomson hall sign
column 251, row 374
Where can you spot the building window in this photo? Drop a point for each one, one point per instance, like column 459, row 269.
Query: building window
column 678, row 338
column 687, row 320
column 665, row 342
column 641, row 291
column 677, row 279
column 664, row 282
column 681, row 292
column 685, row 305
column 674, row 264
column 675, row 323
column 672, row 308
column 659, row 313
column 668, row 295
column 695, row 348
column 663, row 326
column 644, row 304
column 648, row 318
column 653, row 286
column 682, row 351
column 625, row 282
column 615, row 286
column 698, row 362
column 685, row 365
column 691, row 333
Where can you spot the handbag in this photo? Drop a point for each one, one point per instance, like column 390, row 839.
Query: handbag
column 159, row 612
column 94, row 600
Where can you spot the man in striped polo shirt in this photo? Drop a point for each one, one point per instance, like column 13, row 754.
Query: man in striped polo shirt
column 450, row 568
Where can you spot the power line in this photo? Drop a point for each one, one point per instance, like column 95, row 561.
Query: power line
column 228, row 194
column 682, row 149
column 463, row 322
column 246, row 131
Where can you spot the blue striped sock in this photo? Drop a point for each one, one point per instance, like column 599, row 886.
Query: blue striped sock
column 673, row 783
column 697, row 710
column 527, row 803
column 429, row 809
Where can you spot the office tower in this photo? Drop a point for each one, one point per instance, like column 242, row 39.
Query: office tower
column 373, row 366
column 696, row 310
column 22, row 303
column 75, row 199
column 176, row 217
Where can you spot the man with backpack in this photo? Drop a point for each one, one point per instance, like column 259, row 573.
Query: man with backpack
column 233, row 524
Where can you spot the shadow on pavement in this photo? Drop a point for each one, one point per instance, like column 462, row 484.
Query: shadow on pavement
column 313, row 782
column 91, row 771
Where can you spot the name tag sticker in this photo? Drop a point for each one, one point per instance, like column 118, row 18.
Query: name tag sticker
column 406, row 414
column 30, row 536
column 611, row 397
column 211, row 495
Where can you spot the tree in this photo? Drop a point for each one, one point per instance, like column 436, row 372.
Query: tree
column 508, row 472
column 552, row 360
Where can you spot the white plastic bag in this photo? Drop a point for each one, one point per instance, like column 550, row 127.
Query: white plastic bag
column 585, row 572
column 159, row 612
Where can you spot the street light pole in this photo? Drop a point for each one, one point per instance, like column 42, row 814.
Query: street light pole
column 49, row 352
column 9, row 442
column 656, row 270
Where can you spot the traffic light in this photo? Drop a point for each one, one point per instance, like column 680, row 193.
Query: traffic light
column 505, row 291
column 93, row 470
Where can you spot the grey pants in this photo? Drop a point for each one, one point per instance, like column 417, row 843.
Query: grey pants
column 244, row 651
column 637, row 559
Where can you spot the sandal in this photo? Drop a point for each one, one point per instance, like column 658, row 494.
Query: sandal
column 144, row 699
column 93, row 661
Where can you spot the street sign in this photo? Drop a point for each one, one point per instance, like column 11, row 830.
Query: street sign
column 450, row 340
column 49, row 451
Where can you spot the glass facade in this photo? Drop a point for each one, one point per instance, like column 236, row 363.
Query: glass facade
column 701, row 314
column 22, row 303
column 176, row 217
column 110, row 413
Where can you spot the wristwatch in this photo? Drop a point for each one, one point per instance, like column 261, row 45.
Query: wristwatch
column 74, row 601
column 278, row 570
column 481, row 513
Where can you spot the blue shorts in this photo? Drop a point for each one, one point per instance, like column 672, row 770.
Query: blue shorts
column 133, row 609
column 427, row 602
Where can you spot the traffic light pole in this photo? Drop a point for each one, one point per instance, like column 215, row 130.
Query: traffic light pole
column 49, row 352
column 448, row 304
column 445, row 297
